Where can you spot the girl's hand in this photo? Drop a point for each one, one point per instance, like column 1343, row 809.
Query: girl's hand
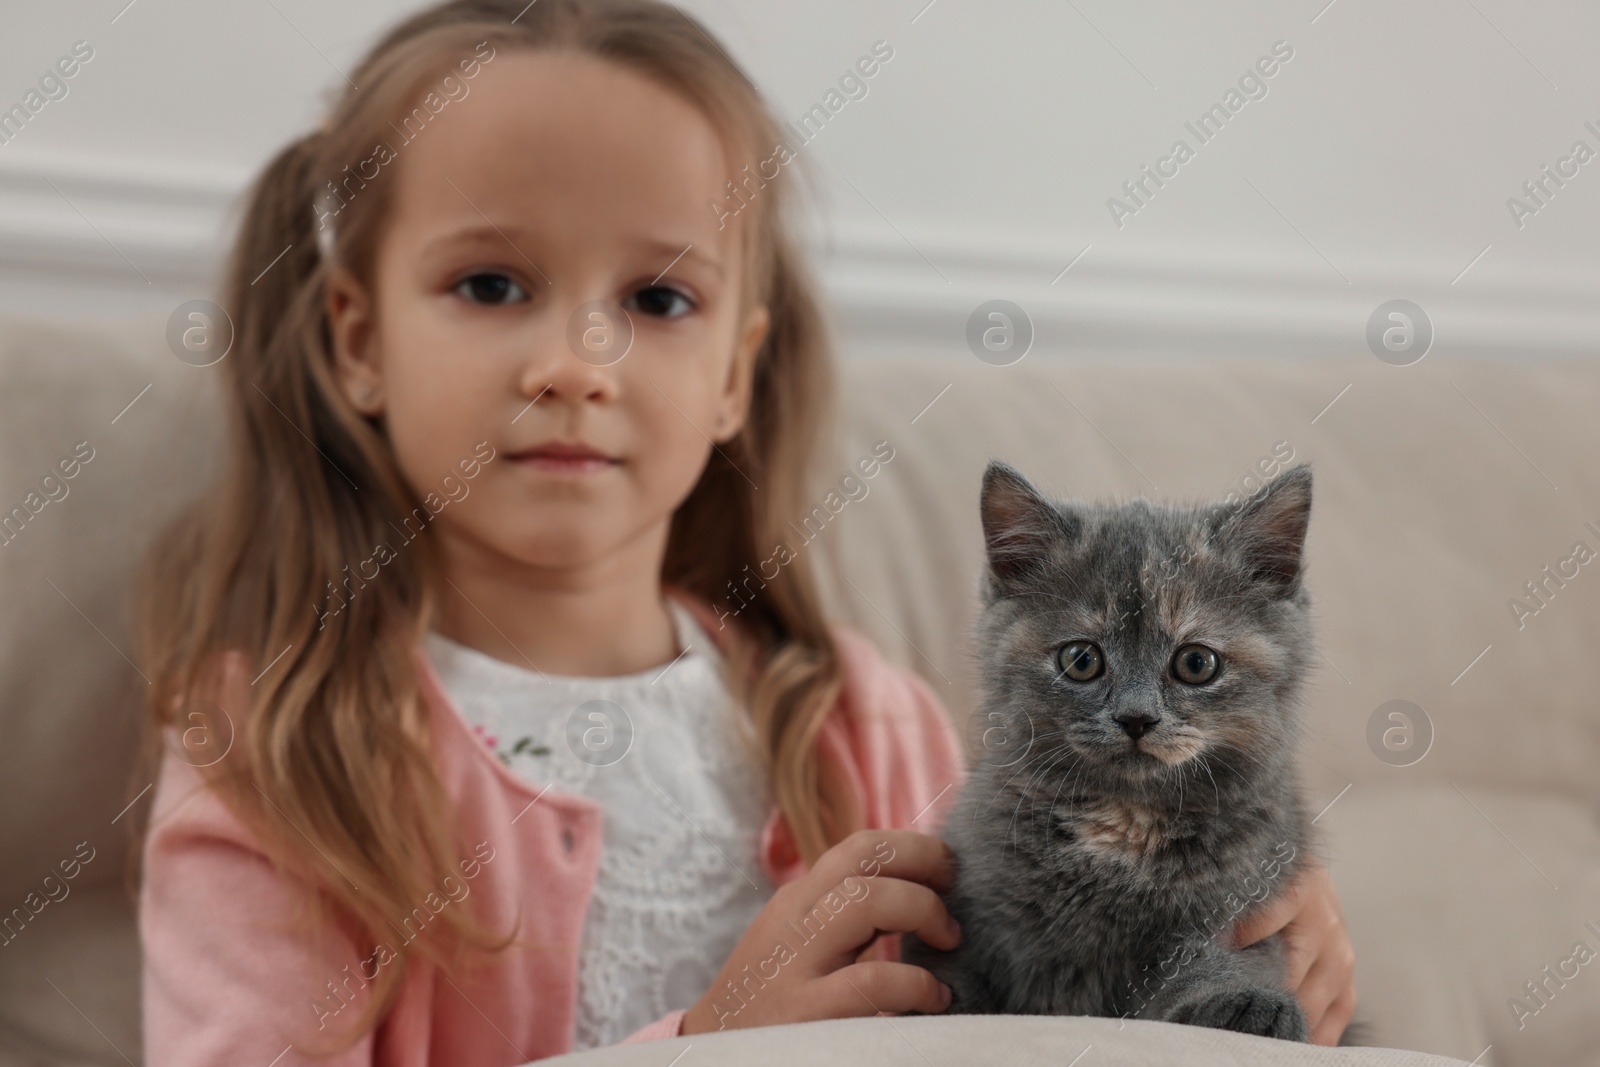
column 798, row 960
column 1321, row 963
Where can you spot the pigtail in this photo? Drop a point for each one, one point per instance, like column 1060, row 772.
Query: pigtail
column 329, row 765
column 276, row 255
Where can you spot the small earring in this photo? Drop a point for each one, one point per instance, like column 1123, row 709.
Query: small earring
column 365, row 396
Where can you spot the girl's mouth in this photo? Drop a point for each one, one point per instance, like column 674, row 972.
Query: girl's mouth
column 569, row 458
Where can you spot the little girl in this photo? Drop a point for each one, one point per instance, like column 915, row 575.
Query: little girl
column 457, row 761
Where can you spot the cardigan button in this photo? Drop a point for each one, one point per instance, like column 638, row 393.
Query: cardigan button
column 566, row 839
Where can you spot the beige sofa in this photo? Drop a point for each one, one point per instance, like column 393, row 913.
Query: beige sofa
column 1442, row 488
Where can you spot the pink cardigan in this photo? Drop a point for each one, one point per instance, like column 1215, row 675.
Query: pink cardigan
column 228, row 978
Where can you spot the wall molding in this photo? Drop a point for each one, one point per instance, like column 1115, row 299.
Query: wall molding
column 88, row 236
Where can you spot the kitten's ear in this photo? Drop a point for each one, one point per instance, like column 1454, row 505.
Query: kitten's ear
column 1269, row 531
column 1019, row 525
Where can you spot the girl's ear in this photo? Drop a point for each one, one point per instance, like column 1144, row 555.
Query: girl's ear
column 735, row 406
column 356, row 365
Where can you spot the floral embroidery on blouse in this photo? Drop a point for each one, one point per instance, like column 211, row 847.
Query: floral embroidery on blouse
column 523, row 744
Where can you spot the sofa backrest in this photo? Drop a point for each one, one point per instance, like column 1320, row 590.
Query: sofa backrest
column 103, row 434
column 1441, row 489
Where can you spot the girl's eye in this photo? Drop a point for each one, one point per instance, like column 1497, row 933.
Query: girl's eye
column 491, row 287
column 1081, row 660
column 1195, row 664
column 659, row 301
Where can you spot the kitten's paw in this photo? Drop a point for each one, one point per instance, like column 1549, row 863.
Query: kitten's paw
column 1255, row 1010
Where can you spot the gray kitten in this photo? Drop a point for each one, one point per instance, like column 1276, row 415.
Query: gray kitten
column 1135, row 792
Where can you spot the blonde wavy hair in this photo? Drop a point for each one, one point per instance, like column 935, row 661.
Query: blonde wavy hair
column 331, row 767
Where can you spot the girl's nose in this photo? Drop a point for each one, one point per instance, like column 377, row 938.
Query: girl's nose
column 581, row 362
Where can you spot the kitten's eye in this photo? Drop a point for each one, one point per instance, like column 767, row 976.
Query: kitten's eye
column 1081, row 660
column 1195, row 664
column 659, row 301
column 491, row 287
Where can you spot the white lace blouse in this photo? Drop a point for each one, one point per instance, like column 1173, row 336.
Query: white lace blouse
column 684, row 804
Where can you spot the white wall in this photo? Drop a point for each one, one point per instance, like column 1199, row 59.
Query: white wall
column 978, row 166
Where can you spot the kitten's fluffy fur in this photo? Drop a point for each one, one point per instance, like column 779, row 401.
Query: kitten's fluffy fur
column 1098, row 858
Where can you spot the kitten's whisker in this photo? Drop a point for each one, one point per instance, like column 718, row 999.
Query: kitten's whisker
column 1205, row 763
column 1057, row 797
column 1245, row 755
column 1022, row 766
column 1014, row 812
column 1046, row 593
column 1075, row 785
column 1023, row 762
column 1026, row 793
column 1054, row 760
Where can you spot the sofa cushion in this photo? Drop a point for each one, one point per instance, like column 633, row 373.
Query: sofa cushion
column 1456, row 898
column 1017, row 1041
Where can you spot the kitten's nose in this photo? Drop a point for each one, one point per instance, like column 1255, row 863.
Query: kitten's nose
column 1136, row 722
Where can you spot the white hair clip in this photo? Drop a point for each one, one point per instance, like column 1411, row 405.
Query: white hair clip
column 324, row 238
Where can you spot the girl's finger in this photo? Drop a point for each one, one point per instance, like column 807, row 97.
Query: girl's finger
column 1316, row 935
column 868, row 988
column 1302, row 947
column 1338, row 1016
column 859, row 909
column 1327, row 981
column 897, row 853
column 1275, row 916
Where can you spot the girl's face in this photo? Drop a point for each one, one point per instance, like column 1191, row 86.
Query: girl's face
column 557, row 181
